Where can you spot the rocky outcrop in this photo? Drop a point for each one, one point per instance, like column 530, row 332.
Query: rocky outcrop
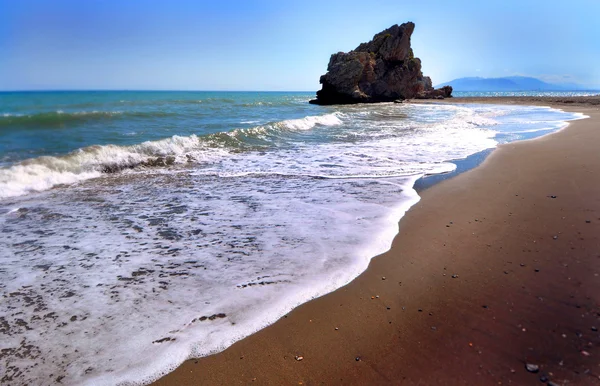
column 382, row 70
column 438, row 93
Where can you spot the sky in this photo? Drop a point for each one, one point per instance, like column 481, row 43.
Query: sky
column 283, row 45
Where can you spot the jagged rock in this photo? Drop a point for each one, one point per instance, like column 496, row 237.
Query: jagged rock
column 382, row 70
column 440, row 93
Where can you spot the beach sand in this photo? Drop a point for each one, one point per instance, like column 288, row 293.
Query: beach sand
column 493, row 269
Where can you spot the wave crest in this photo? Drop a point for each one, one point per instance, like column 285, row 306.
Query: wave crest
column 43, row 173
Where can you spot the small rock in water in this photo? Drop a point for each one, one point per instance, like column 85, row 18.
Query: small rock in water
column 532, row 368
column 299, row 358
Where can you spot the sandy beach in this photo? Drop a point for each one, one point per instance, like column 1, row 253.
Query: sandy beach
column 494, row 269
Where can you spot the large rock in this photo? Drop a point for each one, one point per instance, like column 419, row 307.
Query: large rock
column 381, row 70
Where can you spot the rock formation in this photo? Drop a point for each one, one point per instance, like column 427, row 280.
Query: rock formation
column 382, row 70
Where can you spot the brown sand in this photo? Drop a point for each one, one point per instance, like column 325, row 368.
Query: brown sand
column 527, row 288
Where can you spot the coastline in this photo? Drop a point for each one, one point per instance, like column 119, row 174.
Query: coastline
column 509, row 220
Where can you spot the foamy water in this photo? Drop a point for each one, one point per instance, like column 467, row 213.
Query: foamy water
column 120, row 261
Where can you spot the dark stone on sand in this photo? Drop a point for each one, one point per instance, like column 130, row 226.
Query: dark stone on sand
column 532, row 368
column 381, row 70
column 588, row 221
column 594, row 329
column 543, row 378
column 537, row 270
column 357, row 359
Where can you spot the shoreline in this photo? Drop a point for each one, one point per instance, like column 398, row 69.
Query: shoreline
column 394, row 341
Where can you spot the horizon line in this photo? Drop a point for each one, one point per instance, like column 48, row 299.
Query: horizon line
column 146, row 90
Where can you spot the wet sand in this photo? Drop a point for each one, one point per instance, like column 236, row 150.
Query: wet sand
column 494, row 269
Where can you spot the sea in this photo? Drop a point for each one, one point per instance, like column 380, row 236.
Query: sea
column 139, row 229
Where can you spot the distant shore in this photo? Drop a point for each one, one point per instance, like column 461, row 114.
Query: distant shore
column 493, row 269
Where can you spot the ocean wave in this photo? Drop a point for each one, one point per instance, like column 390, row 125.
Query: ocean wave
column 45, row 172
column 53, row 118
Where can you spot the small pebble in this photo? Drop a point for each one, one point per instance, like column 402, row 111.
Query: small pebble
column 336, row 328
column 420, row 310
column 594, row 328
column 552, row 196
column 454, row 276
column 434, row 328
column 585, row 353
column 299, row 358
column 506, row 272
column 588, row 221
column 522, row 264
column 543, row 378
column 357, row 359
column 552, row 384
column 537, row 270
column 484, row 306
column 383, row 278
column 532, row 368
column 555, row 237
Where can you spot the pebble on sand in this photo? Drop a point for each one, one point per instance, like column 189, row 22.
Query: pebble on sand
column 299, row 358
column 532, row 368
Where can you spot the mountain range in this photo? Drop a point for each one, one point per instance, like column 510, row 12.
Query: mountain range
column 510, row 83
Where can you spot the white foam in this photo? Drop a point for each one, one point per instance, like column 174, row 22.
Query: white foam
column 309, row 122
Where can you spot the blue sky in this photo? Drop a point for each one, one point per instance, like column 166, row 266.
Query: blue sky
column 283, row 45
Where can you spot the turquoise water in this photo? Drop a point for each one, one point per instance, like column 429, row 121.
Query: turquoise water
column 52, row 123
column 139, row 229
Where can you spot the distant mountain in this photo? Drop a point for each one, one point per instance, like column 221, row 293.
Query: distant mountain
column 510, row 83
